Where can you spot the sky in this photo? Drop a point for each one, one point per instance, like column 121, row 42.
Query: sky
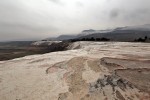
column 39, row 19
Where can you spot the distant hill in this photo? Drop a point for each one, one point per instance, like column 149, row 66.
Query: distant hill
column 91, row 31
column 62, row 37
column 120, row 35
column 145, row 27
column 130, row 33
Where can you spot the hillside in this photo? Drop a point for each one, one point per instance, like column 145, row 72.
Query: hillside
column 121, row 34
column 88, row 71
column 11, row 50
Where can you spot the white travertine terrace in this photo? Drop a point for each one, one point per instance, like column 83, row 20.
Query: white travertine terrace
column 26, row 78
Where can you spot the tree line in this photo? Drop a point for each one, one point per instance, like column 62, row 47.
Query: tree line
column 90, row 39
column 142, row 39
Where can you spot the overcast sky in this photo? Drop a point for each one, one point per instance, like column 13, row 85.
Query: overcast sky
column 38, row 19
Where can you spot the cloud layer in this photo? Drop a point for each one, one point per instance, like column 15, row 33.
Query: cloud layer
column 37, row 19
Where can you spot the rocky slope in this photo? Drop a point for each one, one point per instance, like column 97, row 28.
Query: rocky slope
column 90, row 71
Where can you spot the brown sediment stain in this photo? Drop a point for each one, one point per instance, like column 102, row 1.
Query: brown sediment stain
column 137, row 72
column 45, row 65
column 64, row 96
column 0, row 80
column 110, row 64
column 119, row 95
column 52, row 70
column 132, row 56
column 144, row 96
column 35, row 61
column 106, row 98
column 129, row 98
column 65, row 76
column 54, row 67
column 94, row 65
column 78, row 88
column 120, row 63
column 139, row 77
column 137, row 95
column 125, row 79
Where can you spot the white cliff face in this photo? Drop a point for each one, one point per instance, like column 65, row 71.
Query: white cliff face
column 71, row 74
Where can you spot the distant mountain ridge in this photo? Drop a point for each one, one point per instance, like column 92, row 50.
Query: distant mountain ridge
column 130, row 33
column 62, row 37
column 145, row 27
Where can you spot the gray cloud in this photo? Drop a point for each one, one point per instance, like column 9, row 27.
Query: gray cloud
column 114, row 13
column 28, row 19
column 24, row 32
column 138, row 16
